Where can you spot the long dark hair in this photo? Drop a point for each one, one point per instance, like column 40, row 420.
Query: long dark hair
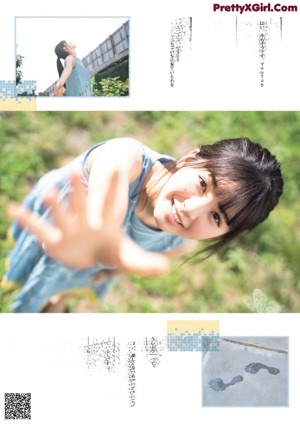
column 247, row 183
column 61, row 54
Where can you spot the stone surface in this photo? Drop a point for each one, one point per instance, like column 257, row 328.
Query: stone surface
column 266, row 387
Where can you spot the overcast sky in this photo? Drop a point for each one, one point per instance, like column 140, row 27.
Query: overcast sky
column 37, row 37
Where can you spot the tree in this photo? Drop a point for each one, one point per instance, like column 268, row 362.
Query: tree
column 19, row 63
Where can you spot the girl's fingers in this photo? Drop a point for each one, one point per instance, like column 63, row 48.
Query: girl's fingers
column 78, row 198
column 137, row 260
column 110, row 203
column 148, row 264
column 61, row 217
column 45, row 232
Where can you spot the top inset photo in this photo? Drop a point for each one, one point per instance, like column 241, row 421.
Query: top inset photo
column 74, row 56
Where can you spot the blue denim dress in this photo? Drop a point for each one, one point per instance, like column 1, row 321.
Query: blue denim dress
column 79, row 83
column 38, row 275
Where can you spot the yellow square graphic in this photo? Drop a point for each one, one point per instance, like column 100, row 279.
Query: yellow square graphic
column 193, row 335
column 189, row 326
column 11, row 104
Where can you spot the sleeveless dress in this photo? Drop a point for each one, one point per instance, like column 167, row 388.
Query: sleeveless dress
column 79, row 83
column 38, row 276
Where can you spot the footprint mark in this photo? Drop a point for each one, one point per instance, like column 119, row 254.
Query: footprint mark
column 254, row 367
column 218, row 384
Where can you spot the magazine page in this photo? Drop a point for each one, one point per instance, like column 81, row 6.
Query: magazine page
column 149, row 248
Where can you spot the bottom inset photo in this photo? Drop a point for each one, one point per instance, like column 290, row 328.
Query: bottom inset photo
column 246, row 371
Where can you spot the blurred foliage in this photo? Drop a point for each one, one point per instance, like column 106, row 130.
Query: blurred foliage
column 260, row 268
column 113, row 81
column 111, row 87
column 120, row 70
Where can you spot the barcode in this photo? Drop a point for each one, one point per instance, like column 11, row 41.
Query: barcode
column 17, row 406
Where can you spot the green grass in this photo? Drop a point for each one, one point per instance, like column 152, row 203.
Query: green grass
column 267, row 259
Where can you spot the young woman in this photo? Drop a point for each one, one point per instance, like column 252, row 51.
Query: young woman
column 122, row 207
column 73, row 76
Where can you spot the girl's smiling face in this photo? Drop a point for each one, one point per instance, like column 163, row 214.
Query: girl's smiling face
column 187, row 206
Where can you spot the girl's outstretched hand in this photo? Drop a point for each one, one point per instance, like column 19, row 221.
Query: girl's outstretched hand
column 80, row 240
column 58, row 91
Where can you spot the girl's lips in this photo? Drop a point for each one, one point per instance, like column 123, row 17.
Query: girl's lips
column 173, row 216
column 172, row 220
column 176, row 214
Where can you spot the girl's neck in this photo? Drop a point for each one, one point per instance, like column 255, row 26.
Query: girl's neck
column 73, row 53
column 150, row 190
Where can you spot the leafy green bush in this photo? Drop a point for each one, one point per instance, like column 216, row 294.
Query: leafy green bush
column 111, row 87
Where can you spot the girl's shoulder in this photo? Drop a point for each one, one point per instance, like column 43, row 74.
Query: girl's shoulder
column 146, row 152
column 149, row 153
column 70, row 60
column 125, row 149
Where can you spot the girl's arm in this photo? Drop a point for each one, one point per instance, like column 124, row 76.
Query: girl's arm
column 90, row 231
column 118, row 155
column 123, row 158
column 183, row 249
column 69, row 64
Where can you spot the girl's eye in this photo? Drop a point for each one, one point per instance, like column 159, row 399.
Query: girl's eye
column 216, row 218
column 203, row 184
